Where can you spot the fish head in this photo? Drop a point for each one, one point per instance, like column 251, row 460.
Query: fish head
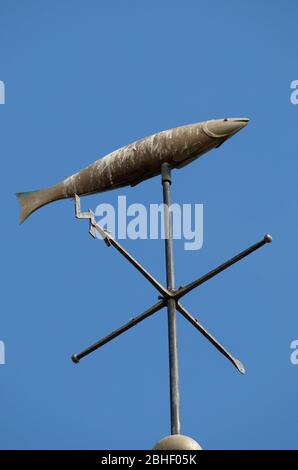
column 224, row 128
column 204, row 136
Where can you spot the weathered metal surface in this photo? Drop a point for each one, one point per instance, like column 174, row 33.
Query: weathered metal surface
column 136, row 162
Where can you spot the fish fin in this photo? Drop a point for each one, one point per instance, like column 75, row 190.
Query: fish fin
column 32, row 200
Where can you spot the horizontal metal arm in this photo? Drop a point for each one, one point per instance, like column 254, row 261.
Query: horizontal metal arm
column 189, row 287
column 238, row 364
column 77, row 357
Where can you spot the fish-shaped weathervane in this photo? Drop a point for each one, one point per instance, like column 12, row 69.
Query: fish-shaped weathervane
column 136, row 162
column 130, row 165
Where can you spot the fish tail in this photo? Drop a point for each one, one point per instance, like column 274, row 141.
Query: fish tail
column 32, row 200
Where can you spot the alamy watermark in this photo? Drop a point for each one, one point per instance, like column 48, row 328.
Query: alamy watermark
column 294, row 94
column 294, row 354
column 2, row 92
column 136, row 221
column 2, row 352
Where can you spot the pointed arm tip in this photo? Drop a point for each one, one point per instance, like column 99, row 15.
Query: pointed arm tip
column 238, row 364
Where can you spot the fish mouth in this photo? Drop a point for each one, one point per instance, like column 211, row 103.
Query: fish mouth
column 224, row 128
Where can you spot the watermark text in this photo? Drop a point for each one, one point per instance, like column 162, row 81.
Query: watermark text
column 136, row 221
column 2, row 352
column 294, row 354
column 2, row 92
column 294, row 94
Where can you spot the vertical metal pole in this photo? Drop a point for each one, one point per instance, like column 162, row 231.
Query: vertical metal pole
column 171, row 303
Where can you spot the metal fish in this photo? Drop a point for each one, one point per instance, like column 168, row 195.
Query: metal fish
column 136, row 162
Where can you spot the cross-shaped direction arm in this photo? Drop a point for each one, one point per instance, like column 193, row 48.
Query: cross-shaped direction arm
column 167, row 294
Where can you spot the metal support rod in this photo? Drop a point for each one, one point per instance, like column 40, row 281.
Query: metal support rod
column 171, row 303
column 134, row 321
column 194, row 321
column 189, row 287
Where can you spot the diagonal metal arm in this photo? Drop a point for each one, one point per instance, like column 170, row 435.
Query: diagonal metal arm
column 111, row 241
column 77, row 357
column 165, row 292
column 189, row 287
column 238, row 364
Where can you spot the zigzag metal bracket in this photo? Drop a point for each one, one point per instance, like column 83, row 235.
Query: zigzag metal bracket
column 93, row 226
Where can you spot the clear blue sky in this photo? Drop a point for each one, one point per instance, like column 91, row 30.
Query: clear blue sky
column 82, row 79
